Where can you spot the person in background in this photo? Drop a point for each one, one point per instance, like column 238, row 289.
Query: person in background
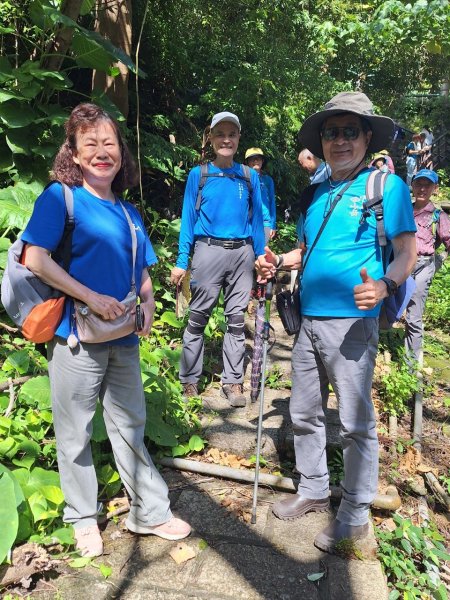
column 341, row 289
column 413, row 154
column 428, row 136
column 426, row 141
column 318, row 170
column 255, row 159
column 225, row 232
column 96, row 163
column 387, row 160
column 433, row 229
column 380, row 164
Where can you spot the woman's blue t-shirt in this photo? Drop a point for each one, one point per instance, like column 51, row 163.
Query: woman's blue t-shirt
column 101, row 245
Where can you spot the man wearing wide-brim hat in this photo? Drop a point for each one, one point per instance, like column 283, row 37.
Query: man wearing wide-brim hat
column 342, row 286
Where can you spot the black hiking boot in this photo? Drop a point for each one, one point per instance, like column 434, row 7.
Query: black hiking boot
column 234, row 392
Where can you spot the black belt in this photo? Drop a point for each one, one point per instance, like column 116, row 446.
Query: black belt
column 228, row 244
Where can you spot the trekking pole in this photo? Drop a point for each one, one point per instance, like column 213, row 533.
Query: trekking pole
column 266, row 332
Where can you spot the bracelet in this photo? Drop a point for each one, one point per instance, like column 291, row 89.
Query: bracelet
column 280, row 261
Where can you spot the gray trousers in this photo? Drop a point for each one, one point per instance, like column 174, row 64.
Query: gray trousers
column 111, row 373
column 423, row 273
column 340, row 352
column 214, row 269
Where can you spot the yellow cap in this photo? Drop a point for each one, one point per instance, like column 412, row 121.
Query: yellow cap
column 253, row 152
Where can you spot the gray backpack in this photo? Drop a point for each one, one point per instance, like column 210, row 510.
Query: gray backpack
column 30, row 303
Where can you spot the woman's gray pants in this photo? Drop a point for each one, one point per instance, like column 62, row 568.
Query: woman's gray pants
column 111, row 374
column 340, row 352
column 214, row 269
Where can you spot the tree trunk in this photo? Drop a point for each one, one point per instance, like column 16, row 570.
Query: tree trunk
column 114, row 23
column 61, row 43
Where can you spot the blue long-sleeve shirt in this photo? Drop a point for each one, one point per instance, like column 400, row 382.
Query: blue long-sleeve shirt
column 223, row 213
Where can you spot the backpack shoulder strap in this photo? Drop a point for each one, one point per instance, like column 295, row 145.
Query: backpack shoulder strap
column 201, row 185
column 435, row 220
column 63, row 252
column 374, row 201
column 307, row 197
column 248, row 179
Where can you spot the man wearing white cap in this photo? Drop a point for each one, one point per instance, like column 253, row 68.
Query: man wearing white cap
column 222, row 223
column 342, row 286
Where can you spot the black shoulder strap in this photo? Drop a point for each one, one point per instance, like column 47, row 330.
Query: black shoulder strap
column 203, row 175
column 326, row 219
column 63, row 252
column 248, row 180
column 307, row 197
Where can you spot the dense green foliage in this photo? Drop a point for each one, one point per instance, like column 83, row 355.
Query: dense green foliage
column 273, row 62
column 411, row 556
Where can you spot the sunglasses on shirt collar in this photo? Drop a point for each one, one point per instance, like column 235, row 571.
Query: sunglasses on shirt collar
column 350, row 132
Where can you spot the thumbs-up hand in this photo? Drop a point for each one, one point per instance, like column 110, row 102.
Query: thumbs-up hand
column 370, row 292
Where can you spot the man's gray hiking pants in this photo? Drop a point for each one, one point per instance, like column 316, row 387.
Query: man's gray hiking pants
column 340, row 352
column 215, row 268
column 423, row 274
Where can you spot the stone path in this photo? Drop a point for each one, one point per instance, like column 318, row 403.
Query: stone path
column 271, row 560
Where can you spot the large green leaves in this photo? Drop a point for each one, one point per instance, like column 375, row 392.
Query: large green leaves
column 9, row 518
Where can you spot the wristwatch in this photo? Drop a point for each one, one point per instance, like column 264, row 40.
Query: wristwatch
column 391, row 285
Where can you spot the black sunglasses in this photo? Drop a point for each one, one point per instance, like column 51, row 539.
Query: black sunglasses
column 350, row 132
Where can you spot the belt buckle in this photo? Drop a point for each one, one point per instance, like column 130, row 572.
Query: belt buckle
column 228, row 244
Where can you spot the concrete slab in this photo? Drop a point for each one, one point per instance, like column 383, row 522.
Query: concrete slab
column 253, row 573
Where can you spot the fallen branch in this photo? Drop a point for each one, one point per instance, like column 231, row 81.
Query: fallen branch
column 9, row 328
column 438, row 490
column 4, row 385
column 12, row 397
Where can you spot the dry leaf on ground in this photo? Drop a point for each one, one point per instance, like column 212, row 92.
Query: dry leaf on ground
column 182, row 553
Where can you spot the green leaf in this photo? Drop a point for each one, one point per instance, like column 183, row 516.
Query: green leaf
column 86, row 7
column 170, row 318
column 315, row 576
column 30, row 448
column 99, row 433
column 19, row 361
column 16, row 114
column 180, row 450
column 53, row 494
column 196, row 443
column 19, row 140
column 9, row 517
column 406, row 545
column 36, row 391
column 80, row 563
column 105, row 570
column 64, row 536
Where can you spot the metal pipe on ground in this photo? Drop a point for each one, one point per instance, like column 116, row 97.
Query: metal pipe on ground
column 389, row 501
column 418, row 412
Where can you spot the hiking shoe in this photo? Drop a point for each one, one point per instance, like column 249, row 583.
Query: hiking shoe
column 88, row 541
column 190, row 390
column 234, row 392
column 295, row 507
column 173, row 529
column 328, row 539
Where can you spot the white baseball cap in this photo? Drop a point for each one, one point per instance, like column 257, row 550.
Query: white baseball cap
column 225, row 116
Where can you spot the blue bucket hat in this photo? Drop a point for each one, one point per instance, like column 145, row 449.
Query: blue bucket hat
column 428, row 174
